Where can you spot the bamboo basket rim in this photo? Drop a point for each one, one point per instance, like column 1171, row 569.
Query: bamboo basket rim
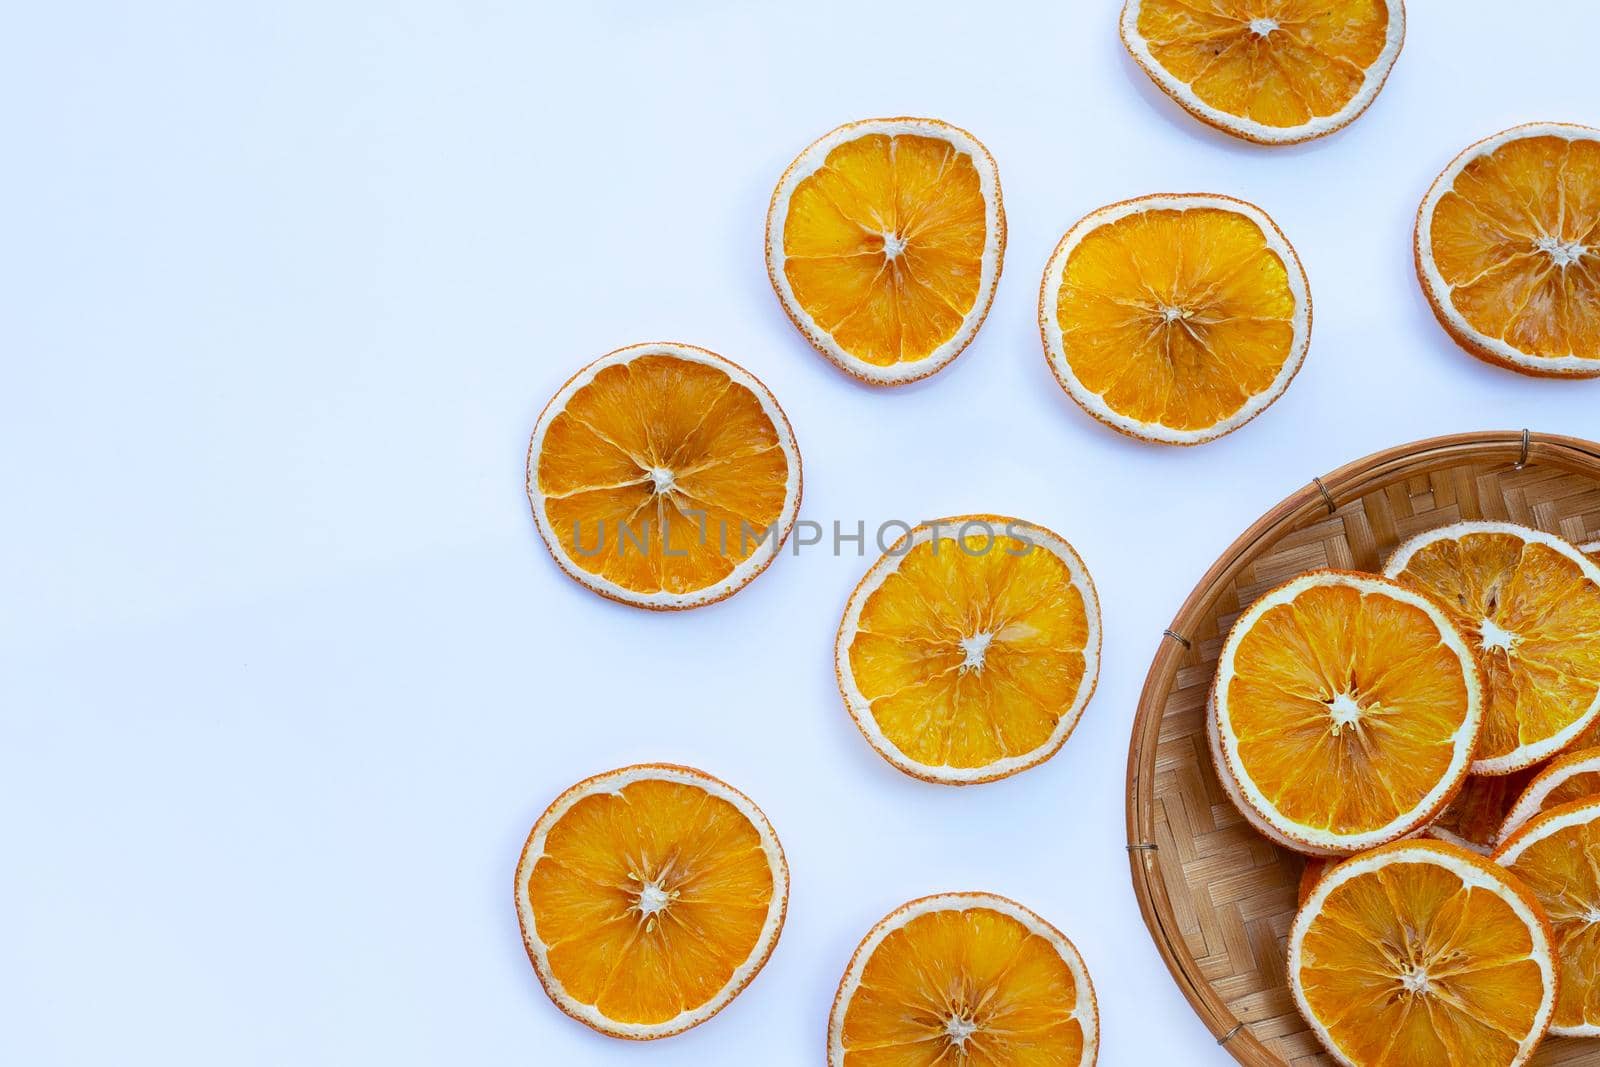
column 1321, row 496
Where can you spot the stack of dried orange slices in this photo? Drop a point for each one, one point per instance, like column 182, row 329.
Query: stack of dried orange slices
column 1355, row 716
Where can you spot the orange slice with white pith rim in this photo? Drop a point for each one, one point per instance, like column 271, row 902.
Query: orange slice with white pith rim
column 1175, row 318
column 1529, row 605
column 1473, row 819
column 1570, row 776
column 664, row 476
column 964, row 979
column 1557, row 856
column 884, row 243
column 970, row 649
column 1343, row 713
column 1422, row 954
column 1269, row 71
column 1508, row 250
column 649, row 897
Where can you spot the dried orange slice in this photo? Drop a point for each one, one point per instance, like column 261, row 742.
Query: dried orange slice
column 1557, row 856
column 649, row 897
column 1423, row 954
column 1570, row 776
column 969, row 650
column 964, row 978
column 1344, row 712
column 1473, row 819
column 1310, row 875
column 1270, row 71
column 1508, row 250
column 1529, row 604
column 884, row 243
column 663, row 476
column 1175, row 318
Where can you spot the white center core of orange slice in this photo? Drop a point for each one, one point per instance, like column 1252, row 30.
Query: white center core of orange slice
column 974, row 646
column 893, row 244
column 1496, row 636
column 1592, row 916
column 662, row 479
column 959, row 1029
column 1345, row 711
column 653, row 899
column 1562, row 253
column 1262, row 27
column 1173, row 314
column 1415, row 980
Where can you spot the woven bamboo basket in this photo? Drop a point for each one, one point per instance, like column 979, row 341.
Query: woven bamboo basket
column 1219, row 898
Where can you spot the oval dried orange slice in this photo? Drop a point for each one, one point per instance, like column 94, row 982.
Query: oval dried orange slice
column 884, row 243
column 649, row 897
column 1529, row 605
column 1557, row 856
column 969, row 650
column 663, row 476
column 1570, row 776
column 1175, row 318
column 1508, row 250
column 1344, row 712
column 1423, row 954
column 1270, row 71
column 964, row 978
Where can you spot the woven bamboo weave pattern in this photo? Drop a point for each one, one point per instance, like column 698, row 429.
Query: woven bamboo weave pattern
column 1218, row 897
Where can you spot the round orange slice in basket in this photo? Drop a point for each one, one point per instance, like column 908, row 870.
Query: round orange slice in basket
column 964, row 978
column 1557, row 856
column 1422, row 954
column 1270, row 71
column 1175, row 318
column 663, row 476
column 1508, row 250
column 1570, row 776
column 1529, row 604
column 1344, row 712
column 649, row 897
column 969, row 650
column 884, row 243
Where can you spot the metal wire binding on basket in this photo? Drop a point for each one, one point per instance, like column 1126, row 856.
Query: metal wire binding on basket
column 1217, row 897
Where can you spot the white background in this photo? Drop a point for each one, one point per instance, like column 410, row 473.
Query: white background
column 287, row 674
